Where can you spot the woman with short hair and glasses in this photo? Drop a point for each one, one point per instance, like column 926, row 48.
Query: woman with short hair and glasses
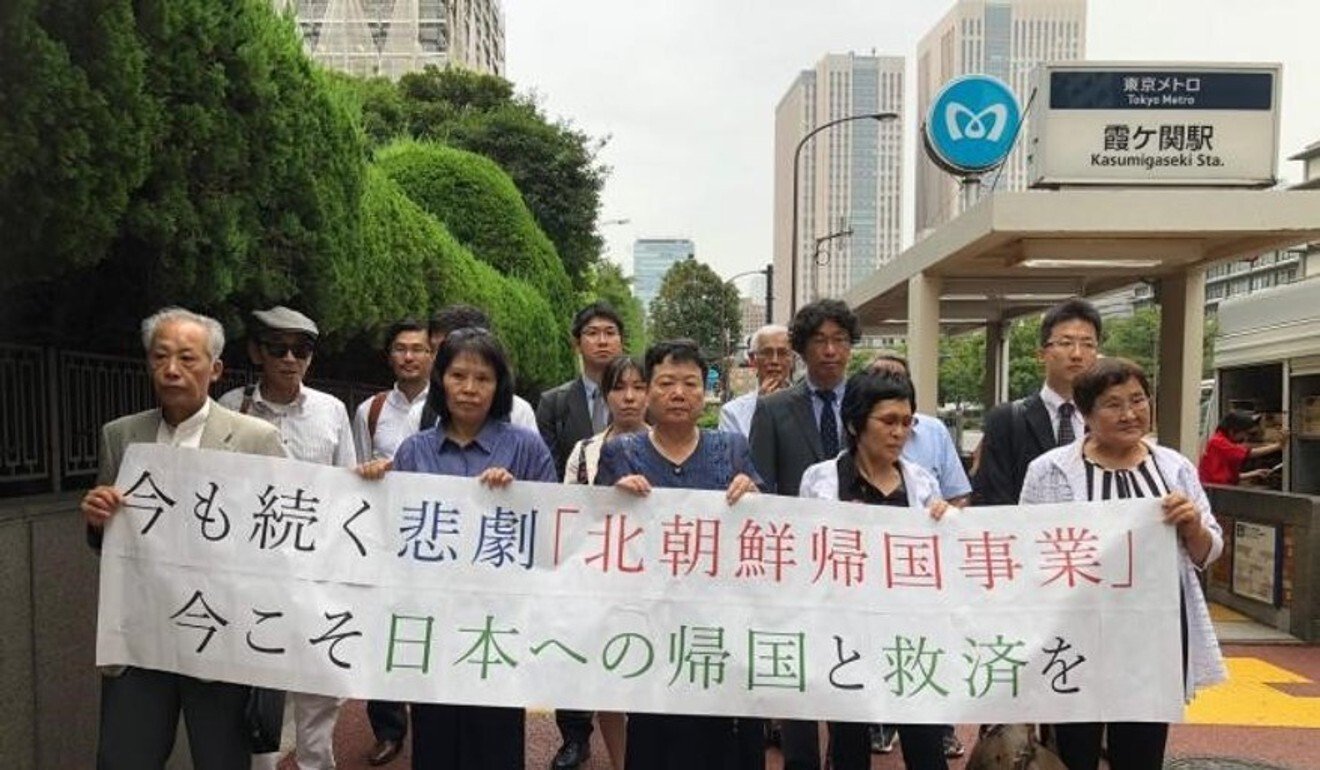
column 877, row 413
column 1114, row 460
column 676, row 453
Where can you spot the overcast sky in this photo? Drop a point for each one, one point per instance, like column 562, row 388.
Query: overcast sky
column 685, row 90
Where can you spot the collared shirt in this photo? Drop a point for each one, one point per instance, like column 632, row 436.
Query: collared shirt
column 930, row 446
column 399, row 418
column 314, row 426
column 1052, row 403
column 187, row 433
column 817, row 404
column 855, row 488
column 498, row 445
column 736, row 416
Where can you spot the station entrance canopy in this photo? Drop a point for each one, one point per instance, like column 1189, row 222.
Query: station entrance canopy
column 1015, row 253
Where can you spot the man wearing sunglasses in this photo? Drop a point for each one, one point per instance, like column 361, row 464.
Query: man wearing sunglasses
column 314, row 427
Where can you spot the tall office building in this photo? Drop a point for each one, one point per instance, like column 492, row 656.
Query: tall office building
column 850, row 177
column 1003, row 38
column 394, row 37
column 652, row 258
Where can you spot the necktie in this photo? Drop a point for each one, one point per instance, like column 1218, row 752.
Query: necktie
column 829, row 426
column 599, row 414
column 1066, row 433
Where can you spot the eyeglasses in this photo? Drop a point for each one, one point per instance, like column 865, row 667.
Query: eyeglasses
column 600, row 332
column 892, row 421
column 300, row 350
column 403, row 350
column 1119, row 406
column 1069, row 343
column 838, row 341
column 774, row 354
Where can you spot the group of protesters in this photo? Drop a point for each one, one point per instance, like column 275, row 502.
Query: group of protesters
column 633, row 425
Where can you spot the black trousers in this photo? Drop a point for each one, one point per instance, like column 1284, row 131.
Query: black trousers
column 682, row 742
column 1131, row 745
column 850, row 745
column 574, row 725
column 449, row 737
column 389, row 720
column 140, row 717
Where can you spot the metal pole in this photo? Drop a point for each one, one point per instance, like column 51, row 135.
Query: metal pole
column 797, row 155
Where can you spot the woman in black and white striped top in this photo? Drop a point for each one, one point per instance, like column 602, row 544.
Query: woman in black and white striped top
column 1115, row 461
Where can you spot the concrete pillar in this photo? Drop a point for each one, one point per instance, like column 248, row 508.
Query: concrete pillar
column 994, row 387
column 924, row 338
column 1182, row 328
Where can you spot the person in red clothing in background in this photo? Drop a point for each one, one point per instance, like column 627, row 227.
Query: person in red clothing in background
column 1226, row 451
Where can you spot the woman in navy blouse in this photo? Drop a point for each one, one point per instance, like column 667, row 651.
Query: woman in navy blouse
column 472, row 391
column 674, row 452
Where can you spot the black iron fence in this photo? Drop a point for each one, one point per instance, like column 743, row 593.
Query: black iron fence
column 53, row 403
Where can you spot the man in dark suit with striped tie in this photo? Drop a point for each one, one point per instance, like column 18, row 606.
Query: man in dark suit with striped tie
column 798, row 427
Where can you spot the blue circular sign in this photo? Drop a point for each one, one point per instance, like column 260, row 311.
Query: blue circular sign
column 972, row 124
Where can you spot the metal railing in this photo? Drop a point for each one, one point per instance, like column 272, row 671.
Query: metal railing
column 54, row 402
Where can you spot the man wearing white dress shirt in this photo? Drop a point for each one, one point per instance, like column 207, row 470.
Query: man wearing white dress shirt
column 314, row 427
column 772, row 357
column 380, row 424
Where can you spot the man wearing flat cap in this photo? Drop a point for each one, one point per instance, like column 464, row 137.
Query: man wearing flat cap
column 314, row 427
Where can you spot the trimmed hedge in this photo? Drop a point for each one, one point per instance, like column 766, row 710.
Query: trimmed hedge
column 410, row 265
column 480, row 205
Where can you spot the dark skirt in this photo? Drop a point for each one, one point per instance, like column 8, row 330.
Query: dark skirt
column 449, row 737
column 683, row 742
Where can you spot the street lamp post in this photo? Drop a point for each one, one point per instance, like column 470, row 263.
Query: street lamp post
column 797, row 157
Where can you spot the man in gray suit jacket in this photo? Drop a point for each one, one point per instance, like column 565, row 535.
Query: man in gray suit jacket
column 140, row 707
column 798, row 427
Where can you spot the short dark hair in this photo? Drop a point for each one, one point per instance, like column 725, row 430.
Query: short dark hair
column 393, row 331
column 484, row 345
column 615, row 369
column 863, row 391
column 599, row 309
column 1237, row 420
column 811, row 317
column 679, row 351
column 1075, row 309
column 894, row 357
column 451, row 318
column 1103, row 375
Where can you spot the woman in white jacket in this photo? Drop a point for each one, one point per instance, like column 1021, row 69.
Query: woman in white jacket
column 877, row 412
column 1115, row 460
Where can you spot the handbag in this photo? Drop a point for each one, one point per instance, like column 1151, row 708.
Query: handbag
column 264, row 719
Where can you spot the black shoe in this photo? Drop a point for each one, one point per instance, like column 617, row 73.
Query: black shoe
column 384, row 752
column 570, row 755
column 883, row 739
column 953, row 747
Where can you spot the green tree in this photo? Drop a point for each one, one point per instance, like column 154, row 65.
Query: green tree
column 962, row 368
column 76, row 128
column 694, row 302
column 554, row 165
column 609, row 283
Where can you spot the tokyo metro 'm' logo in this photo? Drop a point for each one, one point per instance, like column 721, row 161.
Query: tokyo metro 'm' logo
column 972, row 124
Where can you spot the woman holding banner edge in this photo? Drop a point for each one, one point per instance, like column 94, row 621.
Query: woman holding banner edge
column 472, row 391
column 1114, row 460
column 877, row 413
column 625, row 395
column 676, row 453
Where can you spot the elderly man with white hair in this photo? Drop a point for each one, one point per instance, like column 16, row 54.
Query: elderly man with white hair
column 772, row 357
column 140, row 707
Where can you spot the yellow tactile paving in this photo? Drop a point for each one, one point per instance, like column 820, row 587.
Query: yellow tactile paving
column 1221, row 614
column 1248, row 699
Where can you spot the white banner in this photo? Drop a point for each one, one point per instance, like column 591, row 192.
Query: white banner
column 433, row 588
